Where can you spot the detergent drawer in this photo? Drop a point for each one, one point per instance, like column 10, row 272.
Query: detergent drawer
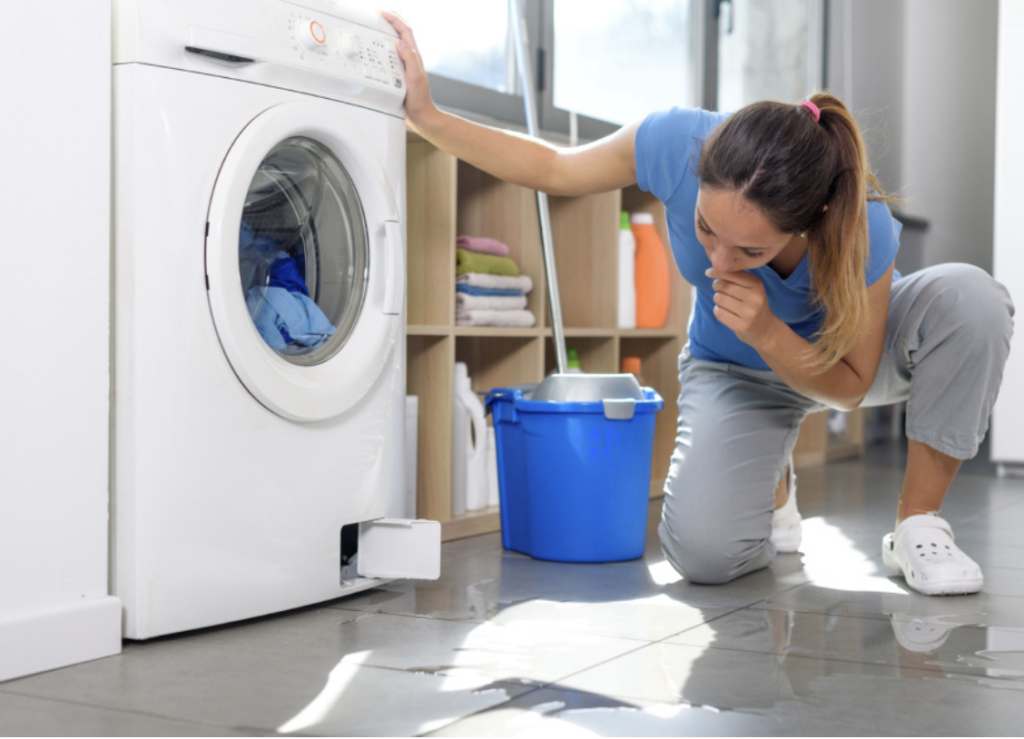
column 393, row 548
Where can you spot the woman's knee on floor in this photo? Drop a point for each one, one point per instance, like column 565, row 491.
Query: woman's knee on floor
column 702, row 555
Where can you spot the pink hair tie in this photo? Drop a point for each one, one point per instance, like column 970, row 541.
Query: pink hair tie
column 814, row 109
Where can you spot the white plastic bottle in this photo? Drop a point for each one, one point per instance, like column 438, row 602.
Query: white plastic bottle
column 627, row 267
column 471, row 440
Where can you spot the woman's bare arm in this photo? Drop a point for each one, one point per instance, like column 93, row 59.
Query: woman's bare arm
column 603, row 165
column 844, row 385
column 741, row 304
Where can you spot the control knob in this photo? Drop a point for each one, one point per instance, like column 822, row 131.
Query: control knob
column 311, row 34
column 351, row 45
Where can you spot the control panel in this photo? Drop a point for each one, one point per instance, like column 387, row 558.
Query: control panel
column 340, row 48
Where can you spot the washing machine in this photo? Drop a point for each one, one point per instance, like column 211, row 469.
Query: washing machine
column 259, row 311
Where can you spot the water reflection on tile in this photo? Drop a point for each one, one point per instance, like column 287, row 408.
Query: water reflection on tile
column 481, row 586
column 800, row 691
column 515, row 650
column 556, row 712
column 905, row 641
column 890, row 596
column 644, row 619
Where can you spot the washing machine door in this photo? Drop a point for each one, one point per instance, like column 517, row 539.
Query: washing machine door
column 305, row 261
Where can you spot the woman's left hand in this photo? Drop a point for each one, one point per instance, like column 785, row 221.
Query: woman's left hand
column 742, row 305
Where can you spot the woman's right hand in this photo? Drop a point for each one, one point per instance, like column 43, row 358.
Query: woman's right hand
column 418, row 103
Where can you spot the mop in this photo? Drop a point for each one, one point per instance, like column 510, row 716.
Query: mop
column 561, row 386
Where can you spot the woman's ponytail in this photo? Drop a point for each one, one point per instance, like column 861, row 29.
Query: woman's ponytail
column 838, row 244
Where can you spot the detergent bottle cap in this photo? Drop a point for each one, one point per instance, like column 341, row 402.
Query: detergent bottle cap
column 642, row 219
column 631, row 365
column 624, row 221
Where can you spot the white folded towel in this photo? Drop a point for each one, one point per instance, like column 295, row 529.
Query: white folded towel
column 496, row 282
column 464, row 302
column 517, row 318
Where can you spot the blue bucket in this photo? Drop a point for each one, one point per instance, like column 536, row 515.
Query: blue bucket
column 575, row 476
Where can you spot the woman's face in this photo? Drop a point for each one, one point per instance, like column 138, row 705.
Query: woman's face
column 735, row 234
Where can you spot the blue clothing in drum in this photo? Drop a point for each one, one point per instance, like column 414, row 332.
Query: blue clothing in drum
column 668, row 148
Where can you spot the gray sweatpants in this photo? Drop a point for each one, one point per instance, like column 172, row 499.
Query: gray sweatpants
column 947, row 339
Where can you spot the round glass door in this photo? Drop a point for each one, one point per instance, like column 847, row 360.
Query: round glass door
column 303, row 251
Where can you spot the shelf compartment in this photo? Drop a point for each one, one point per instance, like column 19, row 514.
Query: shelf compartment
column 635, row 200
column 430, row 234
column 848, row 444
column 585, row 233
column 499, row 210
column 500, row 361
column 431, row 377
column 597, row 354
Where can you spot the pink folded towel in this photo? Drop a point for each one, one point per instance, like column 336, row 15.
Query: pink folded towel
column 483, row 245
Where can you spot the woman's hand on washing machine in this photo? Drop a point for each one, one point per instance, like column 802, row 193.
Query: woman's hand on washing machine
column 418, row 103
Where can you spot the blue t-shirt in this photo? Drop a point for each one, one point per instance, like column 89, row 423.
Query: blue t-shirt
column 668, row 147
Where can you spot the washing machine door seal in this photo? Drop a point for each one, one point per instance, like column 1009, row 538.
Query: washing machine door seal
column 309, row 385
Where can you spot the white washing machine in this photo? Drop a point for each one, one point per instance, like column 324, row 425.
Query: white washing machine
column 259, row 299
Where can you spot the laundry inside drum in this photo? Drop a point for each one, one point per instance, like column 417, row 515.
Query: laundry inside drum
column 303, row 252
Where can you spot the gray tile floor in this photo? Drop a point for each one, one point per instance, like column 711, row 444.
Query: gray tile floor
column 822, row 643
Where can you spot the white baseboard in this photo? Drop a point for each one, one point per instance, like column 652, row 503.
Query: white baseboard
column 45, row 639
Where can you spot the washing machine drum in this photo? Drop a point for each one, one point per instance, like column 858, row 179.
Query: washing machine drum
column 303, row 252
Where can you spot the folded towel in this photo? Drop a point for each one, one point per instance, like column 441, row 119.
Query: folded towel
column 471, row 261
column 495, row 282
column 483, row 245
column 518, row 318
column 465, row 302
column 494, row 292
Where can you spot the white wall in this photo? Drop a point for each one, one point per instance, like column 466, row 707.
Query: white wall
column 865, row 69
column 920, row 77
column 54, row 367
column 1007, row 439
column 948, row 153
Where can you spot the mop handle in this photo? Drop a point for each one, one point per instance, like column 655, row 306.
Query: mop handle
column 526, row 79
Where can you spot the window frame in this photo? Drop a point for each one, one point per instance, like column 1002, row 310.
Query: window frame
column 507, row 108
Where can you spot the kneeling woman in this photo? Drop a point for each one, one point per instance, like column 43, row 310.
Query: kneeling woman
column 776, row 219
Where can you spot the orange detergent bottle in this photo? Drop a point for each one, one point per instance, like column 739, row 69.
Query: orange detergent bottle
column 651, row 275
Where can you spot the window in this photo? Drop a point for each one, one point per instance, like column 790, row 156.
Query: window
column 618, row 60
column 604, row 63
column 464, row 40
column 468, row 49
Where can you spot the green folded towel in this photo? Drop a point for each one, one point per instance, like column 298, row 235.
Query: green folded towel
column 488, row 264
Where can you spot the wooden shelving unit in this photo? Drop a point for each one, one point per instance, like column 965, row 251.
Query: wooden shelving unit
column 446, row 198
